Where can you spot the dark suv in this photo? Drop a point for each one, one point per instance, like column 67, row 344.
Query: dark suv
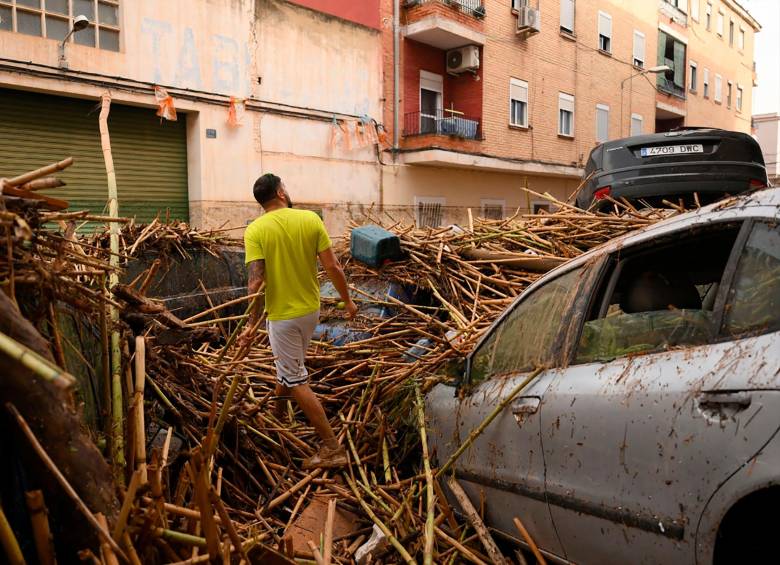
column 711, row 163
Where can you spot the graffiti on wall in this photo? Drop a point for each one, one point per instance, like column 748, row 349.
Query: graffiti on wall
column 178, row 57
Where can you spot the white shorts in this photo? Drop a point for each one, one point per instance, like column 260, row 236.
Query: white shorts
column 289, row 341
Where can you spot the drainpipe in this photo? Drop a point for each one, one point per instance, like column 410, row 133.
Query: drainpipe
column 396, row 72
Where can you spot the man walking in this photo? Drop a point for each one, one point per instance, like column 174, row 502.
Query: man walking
column 282, row 247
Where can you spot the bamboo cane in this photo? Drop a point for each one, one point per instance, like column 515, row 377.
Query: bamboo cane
column 44, row 543
column 430, row 498
column 479, row 526
column 529, row 540
column 117, row 402
column 9, row 542
column 140, row 427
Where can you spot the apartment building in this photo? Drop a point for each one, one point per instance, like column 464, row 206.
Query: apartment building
column 258, row 86
column 491, row 97
column 495, row 96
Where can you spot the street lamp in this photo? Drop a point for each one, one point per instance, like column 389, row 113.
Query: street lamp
column 81, row 22
column 650, row 70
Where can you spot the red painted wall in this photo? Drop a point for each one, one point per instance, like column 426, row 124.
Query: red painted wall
column 464, row 92
column 363, row 12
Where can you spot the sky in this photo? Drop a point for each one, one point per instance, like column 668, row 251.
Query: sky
column 767, row 54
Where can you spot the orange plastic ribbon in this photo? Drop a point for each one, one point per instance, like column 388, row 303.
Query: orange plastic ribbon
column 166, row 108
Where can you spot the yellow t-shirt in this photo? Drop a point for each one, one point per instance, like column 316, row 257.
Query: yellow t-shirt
column 289, row 241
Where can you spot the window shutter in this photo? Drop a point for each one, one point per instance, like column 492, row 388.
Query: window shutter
column 518, row 90
column 567, row 14
column 605, row 25
column 636, row 124
column 566, row 102
column 682, row 5
column 679, row 64
column 695, row 9
column 602, row 123
column 706, row 76
column 639, row 46
column 431, row 81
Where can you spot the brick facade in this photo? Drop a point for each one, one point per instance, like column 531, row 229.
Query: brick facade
column 554, row 62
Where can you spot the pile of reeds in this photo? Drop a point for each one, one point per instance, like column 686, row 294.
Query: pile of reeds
column 205, row 471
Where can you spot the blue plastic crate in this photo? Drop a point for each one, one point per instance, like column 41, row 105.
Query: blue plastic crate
column 374, row 246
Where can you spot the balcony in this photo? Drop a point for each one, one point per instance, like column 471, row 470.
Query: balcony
column 474, row 8
column 445, row 24
column 442, row 122
column 669, row 87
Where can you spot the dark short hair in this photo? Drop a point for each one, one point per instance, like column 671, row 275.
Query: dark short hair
column 266, row 187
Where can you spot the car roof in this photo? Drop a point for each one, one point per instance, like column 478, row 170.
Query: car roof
column 761, row 203
column 687, row 133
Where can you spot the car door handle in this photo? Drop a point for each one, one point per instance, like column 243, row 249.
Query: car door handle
column 526, row 405
column 722, row 406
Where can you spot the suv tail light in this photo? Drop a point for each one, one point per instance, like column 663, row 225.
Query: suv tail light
column 604, row 191
column 755, row 183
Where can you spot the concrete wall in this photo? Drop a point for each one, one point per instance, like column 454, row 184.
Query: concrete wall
column 768, row 134
column 296, row 67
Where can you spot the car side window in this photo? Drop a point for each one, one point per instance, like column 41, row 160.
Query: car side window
column 659, row 295
column 525, row 338
column 753, row 304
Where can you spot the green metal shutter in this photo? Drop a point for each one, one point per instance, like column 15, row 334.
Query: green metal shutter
column 150, row 157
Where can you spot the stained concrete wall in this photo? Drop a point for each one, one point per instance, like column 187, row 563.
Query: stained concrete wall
column 296, row 67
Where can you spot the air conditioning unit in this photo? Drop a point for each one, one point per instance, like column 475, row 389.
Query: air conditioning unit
column 529, row 21
column 463, row 59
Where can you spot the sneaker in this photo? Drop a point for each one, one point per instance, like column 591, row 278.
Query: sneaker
column 327, row 458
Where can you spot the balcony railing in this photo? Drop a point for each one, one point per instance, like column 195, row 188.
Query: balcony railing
column 441, row 123
column 668, row 86
column 474, row 8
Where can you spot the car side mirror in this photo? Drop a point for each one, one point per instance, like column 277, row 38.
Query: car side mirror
column 454, row 371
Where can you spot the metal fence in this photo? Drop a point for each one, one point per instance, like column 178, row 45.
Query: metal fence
column 668, row 86
column 474, row 8
column 441, row 122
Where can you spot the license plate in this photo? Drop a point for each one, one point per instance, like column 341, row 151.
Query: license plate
column 671, row 150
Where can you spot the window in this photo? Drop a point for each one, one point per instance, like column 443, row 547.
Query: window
column 518, row 102
column 695, row 9
column 681, row 5
column 708, row 16
column 526, row 337
column 565, row 114
column 753, row 303
column 741, row 39
column 636, row 124
column 731, row 33
column 602, row 123
column 729, row 88
column 706, row 83
column 55, row 20
column 720, row 24
column 694, row 77
column 671, row 52
column 605, row 32
column 431, row 113
column 639, row 49
column 539, row 207
column 718, row 88
column 429, row 211
column 492, row 209
column 567, row 16
column 659, row 295
column 739, row 98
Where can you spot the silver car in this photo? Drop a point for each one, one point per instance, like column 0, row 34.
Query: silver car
column 652, row 434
